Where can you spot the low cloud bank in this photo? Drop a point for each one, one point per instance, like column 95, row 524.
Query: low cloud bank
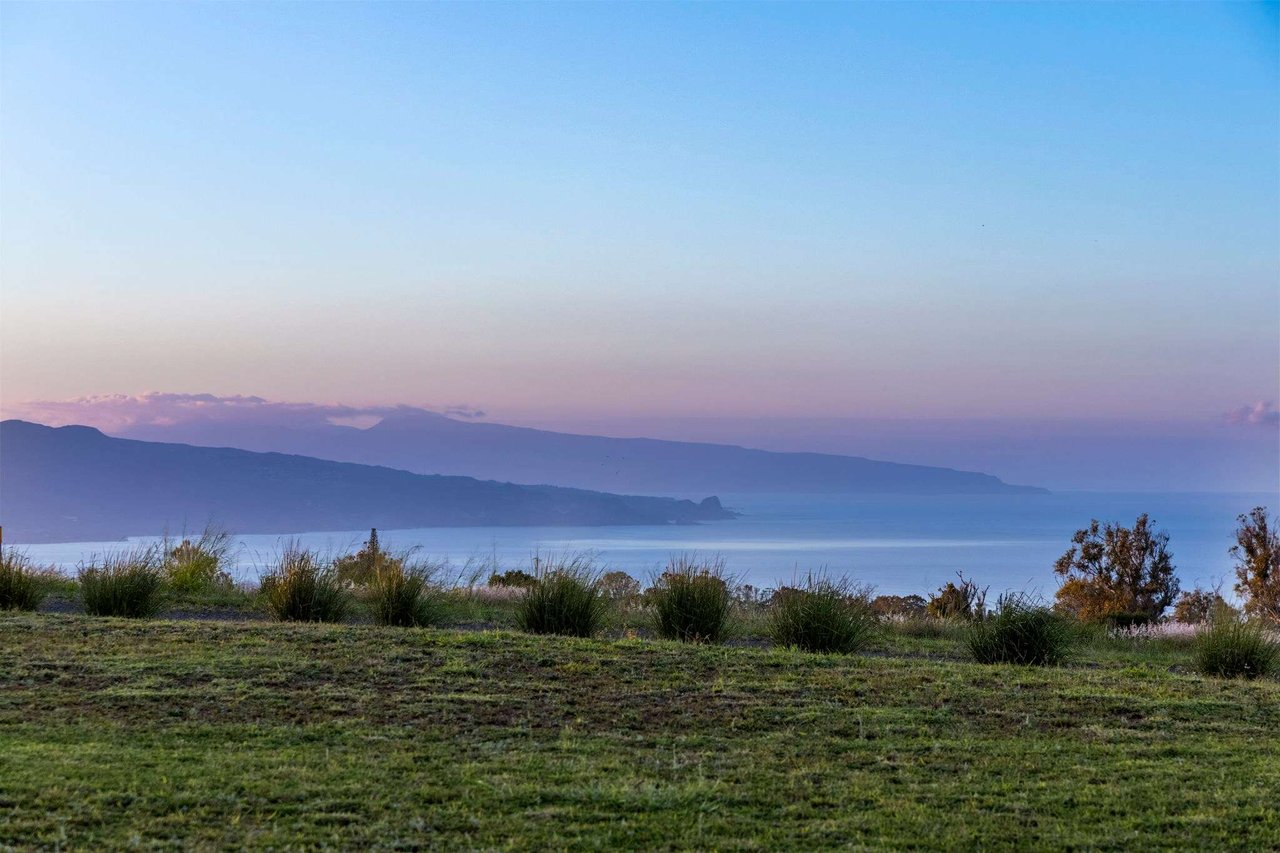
column 114, row 412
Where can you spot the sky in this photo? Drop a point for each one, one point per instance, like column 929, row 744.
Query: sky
column 659, row 213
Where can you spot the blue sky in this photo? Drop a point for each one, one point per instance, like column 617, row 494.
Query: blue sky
column 714, row 210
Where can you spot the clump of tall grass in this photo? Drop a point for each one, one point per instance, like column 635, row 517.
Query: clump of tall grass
column 21, row 584
column 823, row 616
column 199, row 566
column 125, row 583
column 1022, row 632
column 564, row 599
column 927, row 627
column 304, row 588
column 691, row 600
column 404, row 596
column 1232, row 648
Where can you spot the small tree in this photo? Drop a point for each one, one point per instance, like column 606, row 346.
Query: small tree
column 619, row 587
column 899, row 605
column 363, row 566
column 958, row 601
column 1117, row 572
column 1257, row 556
column 513, row 578
column 1200, row 606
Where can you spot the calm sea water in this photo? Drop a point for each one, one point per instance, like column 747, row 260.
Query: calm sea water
column 900, row 545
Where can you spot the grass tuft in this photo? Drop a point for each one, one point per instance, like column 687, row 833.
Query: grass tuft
column 21, row 585
column 404, row 596
column 1021, row 632
column 564, row 599
column 126, row 583
column 199, row 566
column 305, row 589
column 824, row 616
column 1230, row 648
column 691, row 600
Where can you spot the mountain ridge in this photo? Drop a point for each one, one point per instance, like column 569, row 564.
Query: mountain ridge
column 429, row 442
column 75, row 483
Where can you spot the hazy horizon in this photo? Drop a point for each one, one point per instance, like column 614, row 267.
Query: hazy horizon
column 1236, row 452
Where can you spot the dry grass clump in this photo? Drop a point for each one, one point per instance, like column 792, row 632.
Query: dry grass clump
column 305, row 588
column 125, row 583
column 1233, row 648
column 21, row 583
column 199, row 566
column 1022, row 632
column 405, row 595
column 565, row 598
column 824, row 616
column 691, row 600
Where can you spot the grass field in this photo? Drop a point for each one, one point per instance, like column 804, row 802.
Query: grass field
column 189, row 733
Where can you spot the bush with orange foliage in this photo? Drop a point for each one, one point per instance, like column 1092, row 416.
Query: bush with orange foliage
column 1117, row 573
column 1257, row 556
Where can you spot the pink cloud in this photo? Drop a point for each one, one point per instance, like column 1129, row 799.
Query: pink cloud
column 1262, row 413
column 113, row 412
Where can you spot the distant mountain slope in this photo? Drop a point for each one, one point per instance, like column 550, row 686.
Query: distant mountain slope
column 74, row 483
column 425, row 442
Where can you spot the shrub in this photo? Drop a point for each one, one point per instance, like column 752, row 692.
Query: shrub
column 690, row 601
column 198, row 566
column 21, row 587
column 958, row 601
column 825, row 616
column 513, row 578
column 746, row 595
column 620, row 587
column 128, row 583
column 1199, row 606
column 304, row 589
column 405, row 597
column 1128, row 621
column 904, row 606
column 1257, row 556
column 565, row 598
column 1020, row 632
column 1111, row 570
column 1231, row 648
column 362, row 567
column 782, row 593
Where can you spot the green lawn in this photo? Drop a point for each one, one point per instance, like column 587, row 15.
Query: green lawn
column 117, row 733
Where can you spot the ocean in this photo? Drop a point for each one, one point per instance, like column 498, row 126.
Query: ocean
column 898, row 544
